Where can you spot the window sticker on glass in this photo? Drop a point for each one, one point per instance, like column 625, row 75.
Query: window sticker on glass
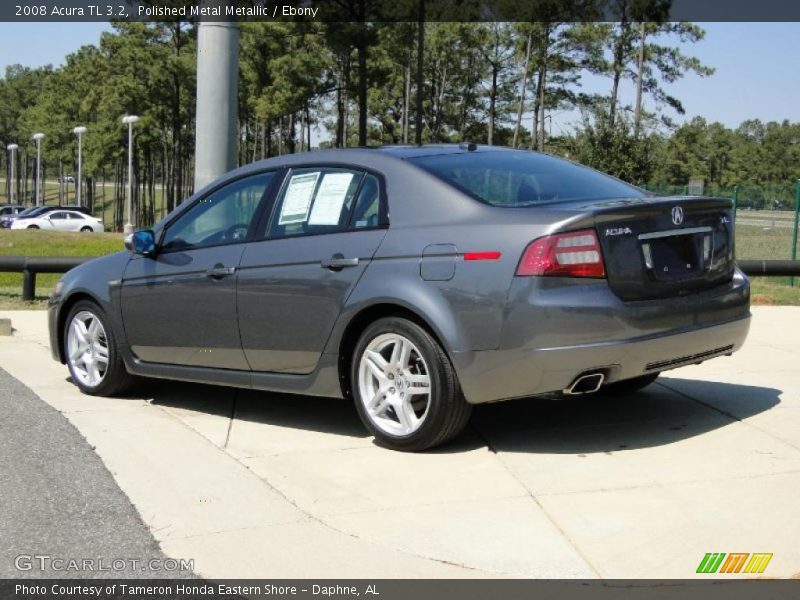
column 330, row 199
column 297, row 199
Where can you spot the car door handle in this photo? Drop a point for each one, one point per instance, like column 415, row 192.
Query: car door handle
column 218, row 272
column 337, row 262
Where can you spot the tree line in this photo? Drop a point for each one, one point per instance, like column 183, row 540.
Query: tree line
column 307, row 84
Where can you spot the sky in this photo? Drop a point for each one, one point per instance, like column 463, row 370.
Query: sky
column 757, row 68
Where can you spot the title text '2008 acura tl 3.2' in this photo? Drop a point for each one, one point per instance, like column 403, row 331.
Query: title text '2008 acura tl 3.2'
column 417, row 281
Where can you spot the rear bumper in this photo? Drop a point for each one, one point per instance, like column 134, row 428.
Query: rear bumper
column 553, row 336
column 497, row 375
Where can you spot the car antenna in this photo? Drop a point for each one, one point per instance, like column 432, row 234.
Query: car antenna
column 468, row 146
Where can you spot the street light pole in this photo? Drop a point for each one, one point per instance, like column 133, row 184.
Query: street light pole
column 79, row 131
column 129, row 120
column 217, row 99
column 38, row 137
column 12, row 148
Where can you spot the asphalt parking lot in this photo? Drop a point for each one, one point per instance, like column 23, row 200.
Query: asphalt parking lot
column 261, row 485
column 60, row 503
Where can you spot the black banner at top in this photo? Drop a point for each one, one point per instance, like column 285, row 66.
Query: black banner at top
column 400, row 10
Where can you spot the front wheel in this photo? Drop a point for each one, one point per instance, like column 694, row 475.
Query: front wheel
column 405, row 389
column 33, row 227
column 86, row 229
column 91, row 351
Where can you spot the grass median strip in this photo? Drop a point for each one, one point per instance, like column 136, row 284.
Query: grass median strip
column 47, row 243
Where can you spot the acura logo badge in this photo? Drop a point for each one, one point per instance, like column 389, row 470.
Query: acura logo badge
column 677, row 215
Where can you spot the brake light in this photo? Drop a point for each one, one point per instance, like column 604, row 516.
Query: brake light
column 574, row 254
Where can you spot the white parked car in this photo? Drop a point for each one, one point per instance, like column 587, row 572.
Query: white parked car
column 61, row 220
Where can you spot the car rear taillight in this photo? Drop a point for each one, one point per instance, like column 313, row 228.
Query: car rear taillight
column 574, row 254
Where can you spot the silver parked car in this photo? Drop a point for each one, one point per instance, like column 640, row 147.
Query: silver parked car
column 417, row 281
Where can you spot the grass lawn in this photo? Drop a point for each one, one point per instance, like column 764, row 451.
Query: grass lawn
column 46, row 243
column 754, row 242
column 774, row 290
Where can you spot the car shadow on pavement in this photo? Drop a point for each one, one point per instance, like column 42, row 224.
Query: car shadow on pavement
column 323, row 415
column 663, row 413
column 669, row 411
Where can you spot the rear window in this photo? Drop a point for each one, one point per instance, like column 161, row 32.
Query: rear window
column 516, row 179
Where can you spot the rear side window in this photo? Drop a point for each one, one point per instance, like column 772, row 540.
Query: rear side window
column 517, row 179
column 367, row 212
column 315, row 200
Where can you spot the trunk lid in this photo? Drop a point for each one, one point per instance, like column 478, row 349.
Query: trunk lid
column 662, row 247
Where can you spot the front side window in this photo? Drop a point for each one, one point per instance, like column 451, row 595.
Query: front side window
column 315, row 200
column 223, row 217
column 58, row 216
column 518, row 179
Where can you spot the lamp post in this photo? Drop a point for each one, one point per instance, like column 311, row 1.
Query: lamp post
column 217, row 104
column 129, row 120
column 38, row 137
column 12, row 149
column 79, row 131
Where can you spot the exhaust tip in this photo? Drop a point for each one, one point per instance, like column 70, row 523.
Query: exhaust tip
column 585, row 384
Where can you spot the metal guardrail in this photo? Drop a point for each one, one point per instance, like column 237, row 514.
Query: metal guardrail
column 29, row 266
column 769, row 268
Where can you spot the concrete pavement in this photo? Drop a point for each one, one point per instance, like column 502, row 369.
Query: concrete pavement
column 265, row 485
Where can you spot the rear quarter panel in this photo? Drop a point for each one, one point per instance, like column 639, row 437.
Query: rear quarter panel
column 466, row 310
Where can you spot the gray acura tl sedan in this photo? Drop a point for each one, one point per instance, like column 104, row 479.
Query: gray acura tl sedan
column 417, row 281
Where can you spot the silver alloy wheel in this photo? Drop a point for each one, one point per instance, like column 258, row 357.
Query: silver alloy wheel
column 87, row 348
column 394, row 384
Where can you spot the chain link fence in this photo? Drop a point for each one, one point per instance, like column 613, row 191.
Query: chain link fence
column 766, row 217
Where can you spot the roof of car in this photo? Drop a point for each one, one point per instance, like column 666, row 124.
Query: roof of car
column 412, row 151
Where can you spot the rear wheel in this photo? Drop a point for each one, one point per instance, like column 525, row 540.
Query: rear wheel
column 91, row 352
column 629, row 386
column 86, row 229
column 33, row 227
column 405, row 389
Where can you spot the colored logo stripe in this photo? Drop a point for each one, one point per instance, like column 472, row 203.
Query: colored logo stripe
column 734, row 562
column 758, row 563
column 713, row 562
column 710, row 562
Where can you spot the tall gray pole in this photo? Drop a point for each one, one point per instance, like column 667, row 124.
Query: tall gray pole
column 12, row 148
column 38, row 137
column 78, row 183
column 217, row 100
column 129, row 120
column 129, row 224
column 79, row 131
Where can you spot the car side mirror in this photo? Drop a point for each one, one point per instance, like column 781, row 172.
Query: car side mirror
column 141, row 242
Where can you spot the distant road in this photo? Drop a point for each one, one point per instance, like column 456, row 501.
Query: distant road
column 764, row 221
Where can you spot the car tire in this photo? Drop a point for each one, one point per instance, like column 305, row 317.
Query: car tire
column 33, row 227
column 392, row 357
column 629, row 386
column 89, row 340
column 86, row 229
